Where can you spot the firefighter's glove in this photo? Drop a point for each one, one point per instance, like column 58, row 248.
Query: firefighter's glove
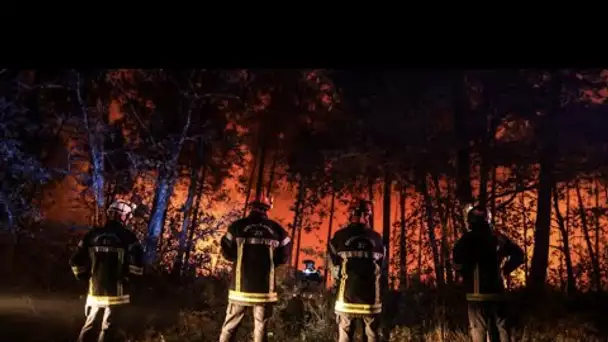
column 335, row 272
column 508, row 281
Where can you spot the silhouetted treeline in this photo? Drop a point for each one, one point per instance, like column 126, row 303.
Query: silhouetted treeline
column 530, row 144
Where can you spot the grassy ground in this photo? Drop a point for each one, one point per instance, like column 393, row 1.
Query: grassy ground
column 168, row 312
column 40, row 301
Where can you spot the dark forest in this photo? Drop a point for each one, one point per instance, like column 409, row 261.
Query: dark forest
column 191, row 148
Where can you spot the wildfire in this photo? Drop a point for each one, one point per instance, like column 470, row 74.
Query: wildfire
column 67, row 194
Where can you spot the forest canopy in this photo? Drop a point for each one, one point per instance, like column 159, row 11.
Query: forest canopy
column 192, row 147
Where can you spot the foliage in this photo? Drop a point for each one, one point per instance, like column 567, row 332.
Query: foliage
column 21, row 171
column 182, row 144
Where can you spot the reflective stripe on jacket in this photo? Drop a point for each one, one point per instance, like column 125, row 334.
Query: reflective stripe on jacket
column 108, row 257
column 256, row 245
column 359, row 254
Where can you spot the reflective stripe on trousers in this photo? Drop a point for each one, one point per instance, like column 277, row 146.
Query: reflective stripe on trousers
column 234, row 316
column 346, row 327
column 109, row 316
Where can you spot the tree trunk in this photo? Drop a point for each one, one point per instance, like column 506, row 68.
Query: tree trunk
column 457, row 217
column 402, row 239
column 540, row 256
column 259, row 188
column 250, row 183
column 455, row 221
column 197, row 211
column 431, row 230
column 370, row 194
column 160, row 243
column 493, row 195
column 598, row 227
column 560, row 271
column 445, row 246
column 597, row 280
column 420, row 245
column 95, row 143
column 296, row 219
column 187, row 210
column 460, row 111
column 570, row 282
column 386, row 224
column 545, row 132
column 449, row 214
column 299, row 230
column 163, row 193
column 273, row 170
column 483, row 176
column 487, row 168
column 332, row 209
column 109, row 192
column 299, row 242
column 524, row 220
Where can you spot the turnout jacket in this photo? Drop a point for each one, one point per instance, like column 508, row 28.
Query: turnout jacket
column 357, row 256
column 256, row 245
column 108, row 257
column 483, row 258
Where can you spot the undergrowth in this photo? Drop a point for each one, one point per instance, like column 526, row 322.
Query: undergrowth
column 167, row 309
column 420, row 313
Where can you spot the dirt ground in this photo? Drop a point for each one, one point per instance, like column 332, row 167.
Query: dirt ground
column 31, row 318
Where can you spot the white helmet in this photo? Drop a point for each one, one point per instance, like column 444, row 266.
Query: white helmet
column 122, row 207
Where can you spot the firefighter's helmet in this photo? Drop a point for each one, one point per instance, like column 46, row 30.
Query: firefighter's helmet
column 477, row 214
column 122, row 208
column 361, row 207
column 263, row 203
column 308, row 263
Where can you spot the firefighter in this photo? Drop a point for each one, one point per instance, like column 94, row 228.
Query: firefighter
column 255, row 245
column 309, row 279
column 310, row 272
column 357, row 258
column 109, row 258
column 484, row 258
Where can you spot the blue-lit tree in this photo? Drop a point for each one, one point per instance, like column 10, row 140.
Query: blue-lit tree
column 21, row 169
column 178, row 123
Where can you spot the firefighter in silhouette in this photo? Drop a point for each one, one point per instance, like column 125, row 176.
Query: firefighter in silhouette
column 310, row 273
column 485, row 258
column 309, row 279
column 357, row 258
column 109, row 258
column 255, row 245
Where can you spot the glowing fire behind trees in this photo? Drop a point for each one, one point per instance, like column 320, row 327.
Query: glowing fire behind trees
column 508, row 220
column 515, row 220
column 514, row 214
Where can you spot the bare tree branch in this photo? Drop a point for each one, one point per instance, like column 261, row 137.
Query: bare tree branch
column 513, row 194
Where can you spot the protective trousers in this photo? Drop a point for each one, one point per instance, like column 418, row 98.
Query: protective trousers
column 108, row 317
column 346, row 327
column 488, row 317
column 234, row 316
